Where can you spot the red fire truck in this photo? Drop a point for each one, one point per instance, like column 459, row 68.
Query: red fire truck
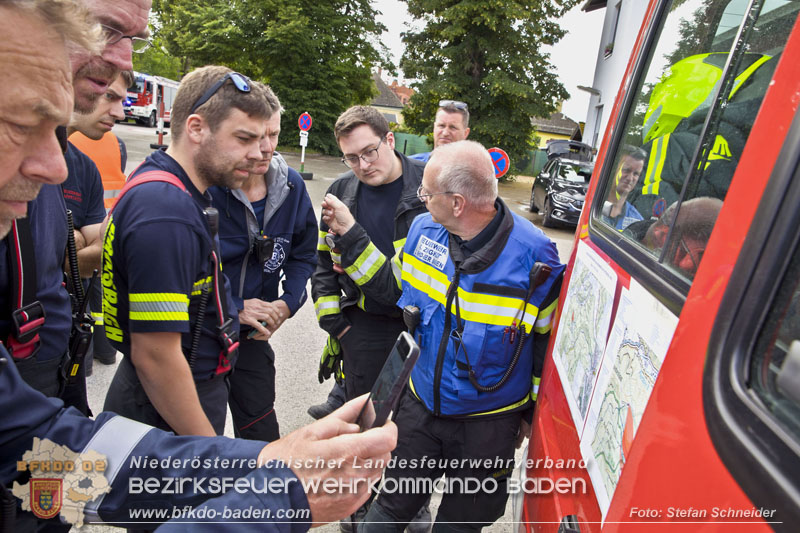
column 671, row 388
column 146, row 96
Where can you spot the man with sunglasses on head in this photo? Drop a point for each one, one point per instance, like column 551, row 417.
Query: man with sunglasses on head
column 267, row 233
column 166, row 306
column 450, row 125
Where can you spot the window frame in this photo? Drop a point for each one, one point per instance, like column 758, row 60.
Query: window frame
column 760, row 454
column 653, row 272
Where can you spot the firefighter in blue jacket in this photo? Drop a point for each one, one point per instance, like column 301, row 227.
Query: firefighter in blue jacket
column 267, row 233
column 485, row 282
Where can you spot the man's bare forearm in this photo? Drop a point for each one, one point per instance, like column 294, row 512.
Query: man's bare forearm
column 167, row 380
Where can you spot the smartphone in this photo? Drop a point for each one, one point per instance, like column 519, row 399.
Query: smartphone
column 394, row 375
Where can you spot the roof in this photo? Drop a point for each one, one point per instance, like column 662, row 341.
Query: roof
column 556, row 123
column 386, row 98
column 591, row 5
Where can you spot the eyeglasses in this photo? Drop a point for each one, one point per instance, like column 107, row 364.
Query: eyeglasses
column 113, row 36
column 422, row 195
column 240, row 81
column 370, row 156
column 453, row 103
column 692, row 258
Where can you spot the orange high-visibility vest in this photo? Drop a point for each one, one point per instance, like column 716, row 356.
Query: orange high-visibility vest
column 106, row 155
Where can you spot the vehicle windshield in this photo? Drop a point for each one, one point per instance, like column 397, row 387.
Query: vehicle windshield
column 575, row 174
column 138, row 86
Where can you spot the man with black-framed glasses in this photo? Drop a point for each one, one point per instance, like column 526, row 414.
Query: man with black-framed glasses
column 366, row 214
column 450, row 125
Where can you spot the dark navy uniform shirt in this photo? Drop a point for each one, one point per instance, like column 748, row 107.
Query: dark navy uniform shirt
column 156, row 262
column 48, row 218
column 83, row 190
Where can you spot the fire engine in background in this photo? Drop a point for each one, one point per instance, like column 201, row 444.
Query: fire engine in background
column 671, row 387
column 146, row 96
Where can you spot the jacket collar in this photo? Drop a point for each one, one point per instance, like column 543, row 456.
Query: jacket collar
column 277, row 178
column 488, row 254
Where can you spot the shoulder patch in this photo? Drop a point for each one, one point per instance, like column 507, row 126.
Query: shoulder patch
column 431, row 252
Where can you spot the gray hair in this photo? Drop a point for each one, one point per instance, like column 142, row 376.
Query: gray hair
column 69, row 18
column 466, row 169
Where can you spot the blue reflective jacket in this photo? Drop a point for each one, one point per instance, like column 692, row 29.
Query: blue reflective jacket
column 492, row 283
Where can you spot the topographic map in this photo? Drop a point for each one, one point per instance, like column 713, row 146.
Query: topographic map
column 636, row 348
column 581, row 337
column 78, row 479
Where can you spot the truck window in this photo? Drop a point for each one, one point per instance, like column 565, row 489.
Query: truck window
column 687, row 122
column 775, row 365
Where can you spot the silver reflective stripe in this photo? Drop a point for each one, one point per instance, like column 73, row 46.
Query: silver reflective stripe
column 154, row 307
column 116, row 440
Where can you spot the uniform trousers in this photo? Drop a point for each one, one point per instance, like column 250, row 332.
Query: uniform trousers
column 435, row 446
column 252, row 396
column 365, row 347
column 126, row 397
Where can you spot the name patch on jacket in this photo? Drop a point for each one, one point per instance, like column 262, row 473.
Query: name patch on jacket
column 431, row 252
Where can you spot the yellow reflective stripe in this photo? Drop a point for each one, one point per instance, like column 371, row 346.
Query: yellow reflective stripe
column 199, row 285
column 336, row 257
column 535, row 388
column 515, row 405
column 741, row 78
column 159, row 306
column 398, row 244
column 362, row 301
column 322, row 246
column 366, row 265
column 397, row 269
column 326, row 305
column 98, row 318
column 475, row 307
column 655, row 165
column 511, row 407
column 544, row 322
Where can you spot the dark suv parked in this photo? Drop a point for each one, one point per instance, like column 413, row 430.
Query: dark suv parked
column 559, row 191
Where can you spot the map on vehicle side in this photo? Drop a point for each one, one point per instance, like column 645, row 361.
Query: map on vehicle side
column 636, row 349
column 581, row 337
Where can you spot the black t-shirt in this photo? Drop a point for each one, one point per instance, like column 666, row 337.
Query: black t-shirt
column 375, row 213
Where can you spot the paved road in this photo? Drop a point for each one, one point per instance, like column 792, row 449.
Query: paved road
column 298, row 343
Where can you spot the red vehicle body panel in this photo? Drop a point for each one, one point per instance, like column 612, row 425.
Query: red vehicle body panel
column 673, row 462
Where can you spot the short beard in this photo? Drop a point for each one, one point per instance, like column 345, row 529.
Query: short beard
column 208, row 166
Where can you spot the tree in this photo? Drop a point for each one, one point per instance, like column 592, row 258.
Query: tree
column 488, row 54
column 158, row 62
column 317, row 56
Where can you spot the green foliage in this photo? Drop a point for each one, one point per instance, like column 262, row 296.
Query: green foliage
column 158, row 62
column 488, row 54
column 317, row 56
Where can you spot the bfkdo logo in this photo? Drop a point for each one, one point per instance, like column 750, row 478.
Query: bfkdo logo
column 46, row 497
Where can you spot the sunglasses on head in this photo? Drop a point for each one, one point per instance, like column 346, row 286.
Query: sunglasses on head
column 453, row 103
column 240, row 81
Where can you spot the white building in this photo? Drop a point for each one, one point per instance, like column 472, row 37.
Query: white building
column 620, row 29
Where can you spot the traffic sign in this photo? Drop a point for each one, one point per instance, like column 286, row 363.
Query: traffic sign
column 304, row 138
column 304, row 122
column 501, row 162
